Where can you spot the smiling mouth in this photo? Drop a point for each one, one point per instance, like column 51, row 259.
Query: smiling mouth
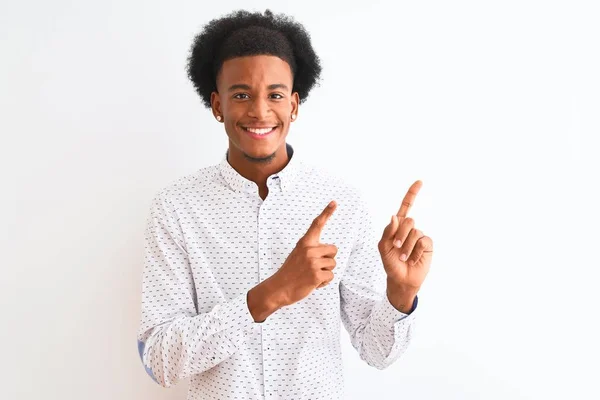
column 258, row 132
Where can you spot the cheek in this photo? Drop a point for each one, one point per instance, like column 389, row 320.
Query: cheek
column 234, row 114
column 284, row 112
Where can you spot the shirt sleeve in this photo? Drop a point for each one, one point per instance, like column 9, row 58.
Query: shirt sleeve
column 174, row 340
column 378, row 331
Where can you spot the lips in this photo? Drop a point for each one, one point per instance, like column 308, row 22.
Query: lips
column 259, row 132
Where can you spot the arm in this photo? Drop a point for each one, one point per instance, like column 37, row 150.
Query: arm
column 174, row 340
column 378, row 331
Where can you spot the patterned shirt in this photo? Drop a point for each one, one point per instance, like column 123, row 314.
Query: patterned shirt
column 210, row 238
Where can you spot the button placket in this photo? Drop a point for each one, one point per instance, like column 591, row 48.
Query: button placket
column 264, row 268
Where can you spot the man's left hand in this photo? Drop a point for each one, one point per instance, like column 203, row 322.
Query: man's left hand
column 405, row 251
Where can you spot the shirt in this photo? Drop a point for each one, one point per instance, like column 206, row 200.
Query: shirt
column 210, row 238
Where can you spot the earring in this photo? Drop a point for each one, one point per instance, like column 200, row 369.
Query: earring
column 219, row 118
column 293, row 116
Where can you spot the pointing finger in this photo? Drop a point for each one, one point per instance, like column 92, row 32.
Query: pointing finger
column 313, row 235
column 409, row 199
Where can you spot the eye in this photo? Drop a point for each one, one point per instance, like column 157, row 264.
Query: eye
column 277, row 94
column 237, row 96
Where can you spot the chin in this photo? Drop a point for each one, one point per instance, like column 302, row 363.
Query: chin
column 259, row 156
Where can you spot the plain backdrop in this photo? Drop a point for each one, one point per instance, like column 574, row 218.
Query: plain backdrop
column 493, row 105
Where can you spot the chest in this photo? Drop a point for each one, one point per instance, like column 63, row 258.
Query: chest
column 234, row 247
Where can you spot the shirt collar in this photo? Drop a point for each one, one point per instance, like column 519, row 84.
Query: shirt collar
column 283, row 179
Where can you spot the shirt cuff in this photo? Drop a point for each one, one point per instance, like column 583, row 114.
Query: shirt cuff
column 414, row 306
column 235, row 318
column 387, row 314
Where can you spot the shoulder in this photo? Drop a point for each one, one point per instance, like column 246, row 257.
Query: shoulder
column 316, row 176
column 320, row 181
column 187, row 186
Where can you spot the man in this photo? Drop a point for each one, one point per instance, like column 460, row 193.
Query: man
column 251, row 264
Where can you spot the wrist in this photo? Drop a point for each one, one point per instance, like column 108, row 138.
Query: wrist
column 401, row 297
column 263, row 300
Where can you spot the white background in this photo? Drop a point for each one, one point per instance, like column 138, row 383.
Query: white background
column 493, row 105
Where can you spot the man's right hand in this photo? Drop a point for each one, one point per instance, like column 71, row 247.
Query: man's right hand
column 309, row 265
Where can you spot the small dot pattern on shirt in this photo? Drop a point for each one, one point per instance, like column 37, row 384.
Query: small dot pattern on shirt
column 210, row 238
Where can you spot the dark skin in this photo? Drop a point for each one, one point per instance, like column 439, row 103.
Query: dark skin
column 256, row 92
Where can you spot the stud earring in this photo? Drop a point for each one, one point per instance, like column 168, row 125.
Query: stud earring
column 293, row 116
column 219, row 118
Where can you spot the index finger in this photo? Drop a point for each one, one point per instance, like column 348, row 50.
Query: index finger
column 313, row 235
column 409, row 199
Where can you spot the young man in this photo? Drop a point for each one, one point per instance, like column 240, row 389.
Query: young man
column 251, row 264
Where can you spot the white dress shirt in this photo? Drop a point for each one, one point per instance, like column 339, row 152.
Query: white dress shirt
column 210, row 238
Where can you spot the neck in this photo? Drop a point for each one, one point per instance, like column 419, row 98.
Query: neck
column 257, row 171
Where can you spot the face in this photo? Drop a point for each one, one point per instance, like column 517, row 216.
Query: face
column 254, row 97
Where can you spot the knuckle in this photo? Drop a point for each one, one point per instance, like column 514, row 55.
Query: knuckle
column 429, row 242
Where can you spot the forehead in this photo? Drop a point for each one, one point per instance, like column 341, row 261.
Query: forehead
column 255, row 71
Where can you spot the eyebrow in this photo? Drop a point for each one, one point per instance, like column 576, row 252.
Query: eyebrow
column 246, row 87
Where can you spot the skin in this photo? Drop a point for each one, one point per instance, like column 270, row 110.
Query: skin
column 256, row 91
column 406, row 254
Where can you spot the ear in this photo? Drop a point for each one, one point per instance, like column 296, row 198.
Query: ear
column 215, row 103
column 295, row 100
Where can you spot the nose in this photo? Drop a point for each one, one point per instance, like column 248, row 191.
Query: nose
column 259, row 108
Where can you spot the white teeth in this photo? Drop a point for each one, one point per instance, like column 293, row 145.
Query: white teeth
column 259, row 131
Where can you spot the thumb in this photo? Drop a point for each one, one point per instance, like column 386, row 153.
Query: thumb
column 312, row 236
column 389, row 233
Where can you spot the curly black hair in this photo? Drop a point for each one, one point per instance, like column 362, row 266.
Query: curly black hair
column 243, row 33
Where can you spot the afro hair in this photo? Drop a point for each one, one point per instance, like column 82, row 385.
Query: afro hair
column 242, row 33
